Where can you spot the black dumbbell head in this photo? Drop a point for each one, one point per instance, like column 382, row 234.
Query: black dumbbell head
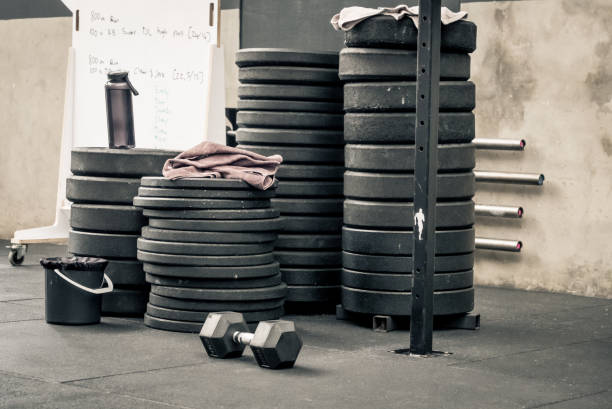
column 275, row 344
column 217, row 332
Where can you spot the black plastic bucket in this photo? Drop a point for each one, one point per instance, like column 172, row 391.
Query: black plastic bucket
column 74, row 288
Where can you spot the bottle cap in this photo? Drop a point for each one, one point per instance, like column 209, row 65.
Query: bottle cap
column 118, row 76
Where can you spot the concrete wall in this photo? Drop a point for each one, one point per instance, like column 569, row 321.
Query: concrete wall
column 33, row 55
column 542, row 72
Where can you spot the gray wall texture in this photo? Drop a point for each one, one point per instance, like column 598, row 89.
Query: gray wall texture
column 542, row 73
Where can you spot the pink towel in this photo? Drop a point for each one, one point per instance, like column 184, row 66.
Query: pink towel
column 212, row 160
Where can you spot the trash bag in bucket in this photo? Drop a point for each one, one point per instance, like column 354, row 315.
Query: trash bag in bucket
column 74, row 288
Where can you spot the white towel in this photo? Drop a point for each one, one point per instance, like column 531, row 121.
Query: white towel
column 349, row 17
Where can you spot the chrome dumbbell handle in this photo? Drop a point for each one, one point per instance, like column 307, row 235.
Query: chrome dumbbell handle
column 243, row 338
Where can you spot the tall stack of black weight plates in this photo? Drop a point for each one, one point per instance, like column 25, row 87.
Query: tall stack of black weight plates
column 208, row 247
column 103, row 221
column 379, row 69
column 290, row 103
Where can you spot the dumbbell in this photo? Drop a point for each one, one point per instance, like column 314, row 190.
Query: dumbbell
column 275, row 344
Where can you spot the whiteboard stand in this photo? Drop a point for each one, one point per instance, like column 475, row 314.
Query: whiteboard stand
column 58, row 232
column 206, row 101
column 215, row 115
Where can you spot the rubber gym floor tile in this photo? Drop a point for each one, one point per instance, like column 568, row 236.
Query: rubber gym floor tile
column 19, row 392
column 498, row 338
column 501, row 303
column 62, row 353
column 21, row 283
column 597, row 400
column 11, row 312
column 583, row 366
column 332, row 378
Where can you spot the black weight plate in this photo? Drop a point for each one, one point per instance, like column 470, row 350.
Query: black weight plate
column 196, row 183
column 251, row 294
column 308, row 258
column 403, row 264
column 396, row 127
column 102, row 244
column 383, row 64
column 106, row 218
column 258, row 136
column 212, row 284
column 200, row 316
column 400, row 215
column 291, row 92
column 300, row 154
column 118, row 162
column 205, row 193
column 172, row 325
column 213, row 273
column 292, row 171
column 309, row 241
column 400, row 242
column 251, row 225
column 399, row 303
column 93, row 189
column 238, row 214
column 401, row 96
column 203, row 249
column 195, row 327
column 212, row 261
column 451, row 157
column 306, row 293
column 125, row 302
column 199, row 305
column 187, row 236
column 125, row 272
column 403, row 282
column 288, row 105
column 386, row 32
column 281, row 119
column 172, row 203
column 367, row 185
column 308, row 206
column 311, row 224
column 310, row 276
column 310, row 188
column 288, row 75
column 248, row 57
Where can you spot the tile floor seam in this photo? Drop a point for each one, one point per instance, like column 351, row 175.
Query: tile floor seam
column 561, row 310
column 123, row 395
column 26, row 320
column 16, row 302
column 586, row 395
column 530, row 351
column 24, row 376
column 70, row 381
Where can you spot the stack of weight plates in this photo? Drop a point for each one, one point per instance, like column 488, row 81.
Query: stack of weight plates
column 208, row 247
column 103, row 221
column 290, row 103
column 379, row 67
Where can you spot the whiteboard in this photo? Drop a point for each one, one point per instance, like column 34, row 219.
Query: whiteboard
column 165, row 45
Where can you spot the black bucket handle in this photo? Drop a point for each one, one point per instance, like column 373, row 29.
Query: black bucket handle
column 102, row 290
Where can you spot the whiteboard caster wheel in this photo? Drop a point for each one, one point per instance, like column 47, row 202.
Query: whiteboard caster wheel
column 16, row 254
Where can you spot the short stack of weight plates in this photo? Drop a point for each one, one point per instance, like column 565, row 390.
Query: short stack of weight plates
column 290, row 103
column 379, row 69
column 103, row 221
column 208, row 247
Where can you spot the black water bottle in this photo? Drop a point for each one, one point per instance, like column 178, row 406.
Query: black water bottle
column 119, row 110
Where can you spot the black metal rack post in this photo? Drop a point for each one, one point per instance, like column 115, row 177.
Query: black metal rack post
column 425, row 170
